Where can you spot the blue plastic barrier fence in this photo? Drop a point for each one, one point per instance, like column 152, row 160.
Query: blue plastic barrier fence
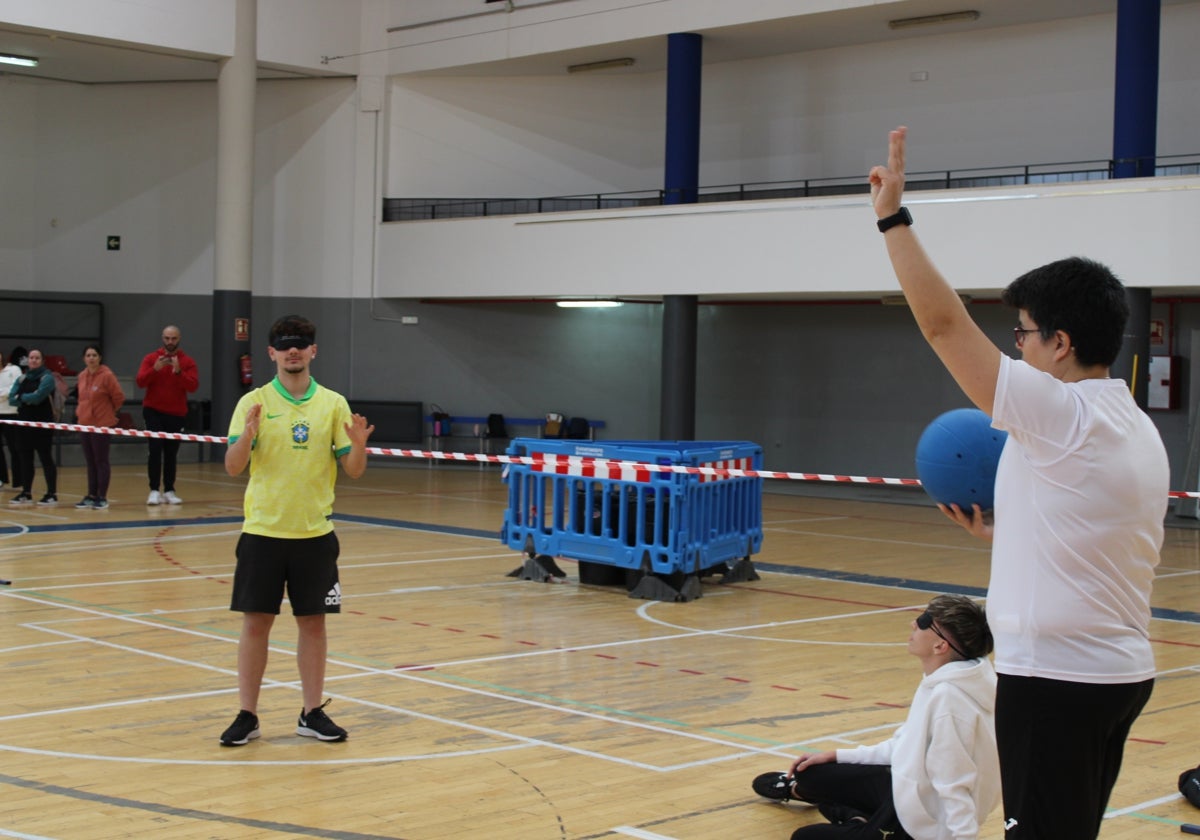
column 666, row 529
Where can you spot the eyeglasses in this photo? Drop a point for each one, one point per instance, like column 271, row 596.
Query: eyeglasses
column 1019, row 335
column 925, row 622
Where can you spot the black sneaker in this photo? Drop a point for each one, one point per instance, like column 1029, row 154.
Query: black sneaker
column 775, row 786
column 85, row 502
column 21, row 499
column 49, row 500
column 244, row 728
column 316, row 724
column 1189, row 786
column 99, row 504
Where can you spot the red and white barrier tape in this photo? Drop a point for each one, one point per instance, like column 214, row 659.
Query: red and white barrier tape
column 559, row 464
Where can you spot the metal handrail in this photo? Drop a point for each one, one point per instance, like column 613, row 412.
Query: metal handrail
column 414, row 209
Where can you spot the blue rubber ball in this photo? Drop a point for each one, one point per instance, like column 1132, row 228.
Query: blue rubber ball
column 957, row 457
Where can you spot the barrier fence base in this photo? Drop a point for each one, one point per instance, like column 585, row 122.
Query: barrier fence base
column 740, row 572
column 541, row 568
column 653, row 587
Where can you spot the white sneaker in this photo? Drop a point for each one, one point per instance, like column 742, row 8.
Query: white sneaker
column 155, row 498
column 170, row 498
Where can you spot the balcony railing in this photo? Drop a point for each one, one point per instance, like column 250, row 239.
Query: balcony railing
column 415, row 209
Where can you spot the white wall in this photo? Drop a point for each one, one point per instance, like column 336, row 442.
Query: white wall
column 297, row 33
column 524, row 136
column 981, row 240
column 1025, row 94
column 138, row 161
column 18, row 153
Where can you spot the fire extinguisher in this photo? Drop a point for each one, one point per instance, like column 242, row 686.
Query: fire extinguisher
column 245, row 370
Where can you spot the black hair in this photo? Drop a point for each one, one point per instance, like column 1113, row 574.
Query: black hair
column 1081, row 297
column 95, row 347
column 18, row 353
column 964, row 622
column 292, row 325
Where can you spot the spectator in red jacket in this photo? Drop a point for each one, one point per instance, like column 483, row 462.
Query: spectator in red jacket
column 168, row 375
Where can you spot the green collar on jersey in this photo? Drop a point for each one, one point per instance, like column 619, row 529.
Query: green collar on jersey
column 283, row 392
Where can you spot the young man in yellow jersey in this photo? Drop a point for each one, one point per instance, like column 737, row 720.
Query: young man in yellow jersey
column 292, row 433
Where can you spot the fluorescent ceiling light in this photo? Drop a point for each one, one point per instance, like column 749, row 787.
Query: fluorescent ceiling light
column 929, row 20
column 588, row 304
column 600, row 65
column 19, row 60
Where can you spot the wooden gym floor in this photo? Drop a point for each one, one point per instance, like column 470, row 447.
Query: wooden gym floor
column 480, row 705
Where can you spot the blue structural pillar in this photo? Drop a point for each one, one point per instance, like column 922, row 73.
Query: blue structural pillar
column 681, row 177
column 1135, row 104
column 1135, row 141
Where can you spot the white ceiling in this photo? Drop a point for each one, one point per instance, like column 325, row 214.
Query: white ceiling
column 75, row 58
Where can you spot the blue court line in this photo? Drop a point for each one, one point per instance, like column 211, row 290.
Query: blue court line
column 1189, row 616
column 930, row 586
column 418, row 526
column 187, row 813
column 114, row 526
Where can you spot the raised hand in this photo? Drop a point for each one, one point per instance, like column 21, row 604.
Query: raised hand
column 887, row 182
column 357, row 429
column 253, row 417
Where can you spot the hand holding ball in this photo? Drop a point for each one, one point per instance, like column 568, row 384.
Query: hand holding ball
column 957, row 457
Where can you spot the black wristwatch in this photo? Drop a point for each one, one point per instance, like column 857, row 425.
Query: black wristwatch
column 900, row 217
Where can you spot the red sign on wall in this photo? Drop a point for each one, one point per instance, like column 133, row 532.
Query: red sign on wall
column 241, row 329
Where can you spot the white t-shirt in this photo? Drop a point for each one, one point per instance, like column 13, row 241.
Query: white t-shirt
column 1081, row 492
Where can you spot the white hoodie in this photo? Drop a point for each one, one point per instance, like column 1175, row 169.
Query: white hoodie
column 9, row 374
column 945, row 769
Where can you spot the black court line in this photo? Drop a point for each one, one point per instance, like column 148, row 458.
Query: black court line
column 188, row 813
column 1188, row 616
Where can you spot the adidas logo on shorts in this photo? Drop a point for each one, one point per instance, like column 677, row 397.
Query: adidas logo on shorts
column 334, row 597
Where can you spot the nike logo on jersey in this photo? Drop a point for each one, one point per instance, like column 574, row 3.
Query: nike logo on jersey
column 271, row 416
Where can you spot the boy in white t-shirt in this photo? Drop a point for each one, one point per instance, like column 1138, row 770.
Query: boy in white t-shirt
column 1081, row 493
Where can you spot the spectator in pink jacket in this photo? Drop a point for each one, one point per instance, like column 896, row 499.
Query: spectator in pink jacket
column 100, row 398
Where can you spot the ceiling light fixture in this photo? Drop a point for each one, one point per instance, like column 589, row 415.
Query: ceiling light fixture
column 18, row 60
column 588, row 304
column 601, row 65
column 929, row 20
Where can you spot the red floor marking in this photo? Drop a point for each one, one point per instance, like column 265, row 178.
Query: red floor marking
column 1148, row 741
column 523, row 642
column 891, row 705
column 648, row 664
column 490, row 636
column 835, row 696
column 690, row 671
column 413, row 667
column 386, row 618
column 735, row 679
column 455, row 630
column 785, row 688
column 603, row 656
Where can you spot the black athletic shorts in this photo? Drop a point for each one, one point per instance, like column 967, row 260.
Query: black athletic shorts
column 307, row 567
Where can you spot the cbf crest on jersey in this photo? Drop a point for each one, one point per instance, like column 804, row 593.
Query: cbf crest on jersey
column 300, row 432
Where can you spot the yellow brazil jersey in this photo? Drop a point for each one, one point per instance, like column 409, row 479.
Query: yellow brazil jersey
column 293, row 465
